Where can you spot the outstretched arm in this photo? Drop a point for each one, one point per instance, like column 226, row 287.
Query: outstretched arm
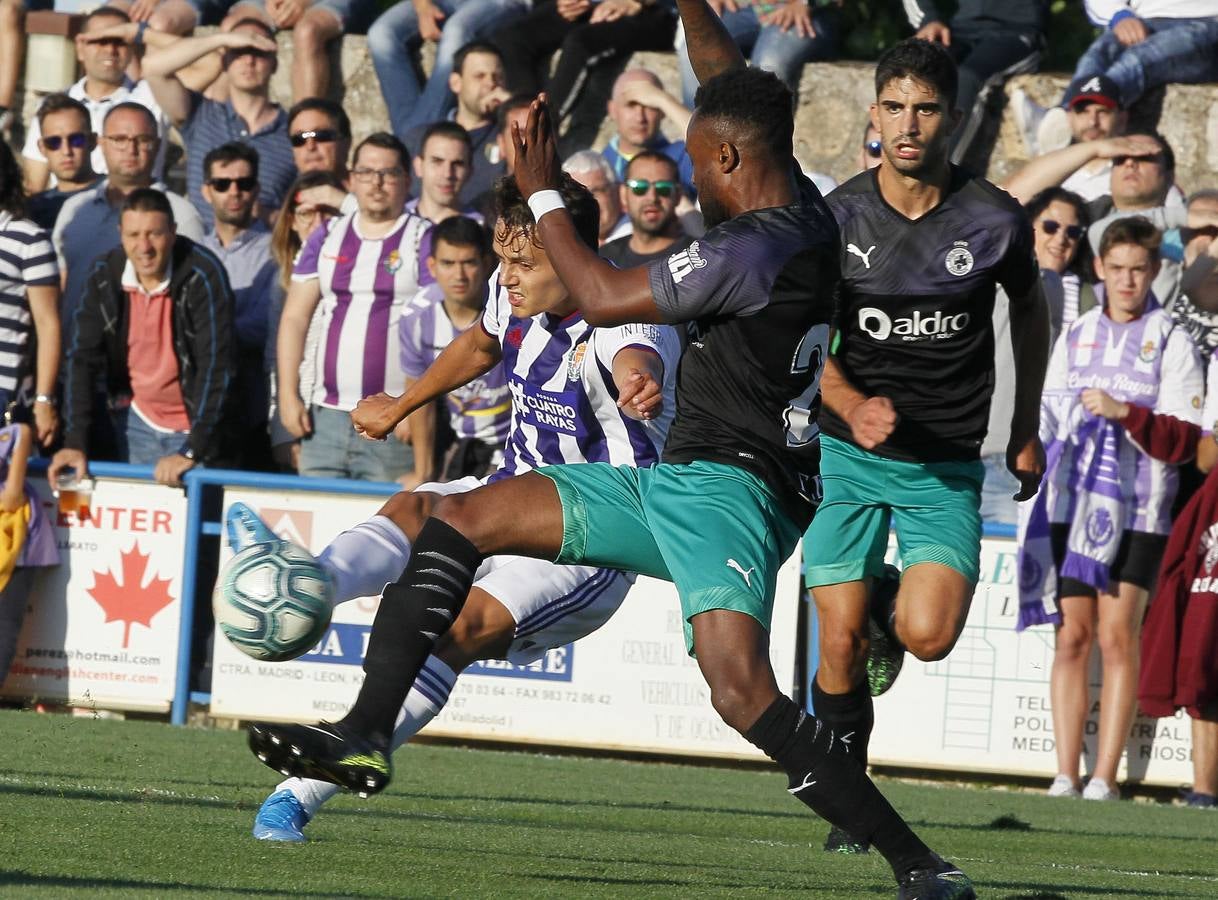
column 472, row 354
column 606, row 295
column 711, row 49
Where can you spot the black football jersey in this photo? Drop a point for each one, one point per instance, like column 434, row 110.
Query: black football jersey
column 758, row 292
column 915, row 303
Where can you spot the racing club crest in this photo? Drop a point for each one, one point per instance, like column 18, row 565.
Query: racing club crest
column 959, row 261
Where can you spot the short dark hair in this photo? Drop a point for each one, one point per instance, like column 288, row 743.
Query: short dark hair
column 258, row 23
column 233, row 151
column 104, row 12
column 512, row 209
column 132, row 106
column 1050, row 195
column 924, row 61
column 509, row 106
column 342, row 122
column 461, row 231
column 385, row 141
column 474, row 47
column 147, row 200
column 758, row 106
column 12, row 192
column 58, row 103
column 1169, row 156
column 654, row 156
column 1136, row 230
column 450, row 130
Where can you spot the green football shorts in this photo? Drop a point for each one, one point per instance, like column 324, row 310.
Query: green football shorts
column 714, row 530
column 933, row 507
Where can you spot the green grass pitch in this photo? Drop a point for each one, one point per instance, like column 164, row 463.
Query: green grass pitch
column 140, row 809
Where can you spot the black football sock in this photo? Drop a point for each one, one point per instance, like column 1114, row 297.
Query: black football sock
column 850, row 715
column 836, row 788
column 414, row 612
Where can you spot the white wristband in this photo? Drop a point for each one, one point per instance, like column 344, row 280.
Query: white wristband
column 542, row 202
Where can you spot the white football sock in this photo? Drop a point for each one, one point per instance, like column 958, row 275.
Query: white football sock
column 363, row 559
column 427, row 697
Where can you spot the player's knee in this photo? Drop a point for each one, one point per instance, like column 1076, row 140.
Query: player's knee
column 457, row 512
column 408, row 511
column 928, row 644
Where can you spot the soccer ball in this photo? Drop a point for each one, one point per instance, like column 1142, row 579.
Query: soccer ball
column 272, row 601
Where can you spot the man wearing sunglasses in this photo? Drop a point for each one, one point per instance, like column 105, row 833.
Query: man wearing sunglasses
column 67, row 142
column 104, row 56
column 320, row 134
column 249, row 115
column 242, row 243
column 650, row 196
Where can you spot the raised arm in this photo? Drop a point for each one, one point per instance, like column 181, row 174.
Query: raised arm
column 606, row 295
column 711, row 48
column 1052, row 169
column 472, row 354
column 161, row 67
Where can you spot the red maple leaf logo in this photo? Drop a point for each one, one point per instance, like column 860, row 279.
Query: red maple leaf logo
column 130, row 600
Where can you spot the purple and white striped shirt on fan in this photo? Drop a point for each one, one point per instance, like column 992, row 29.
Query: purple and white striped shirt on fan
column 482, row 409
column 366, row 284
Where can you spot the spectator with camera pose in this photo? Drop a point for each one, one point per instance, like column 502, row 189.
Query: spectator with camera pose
column 1116, row 423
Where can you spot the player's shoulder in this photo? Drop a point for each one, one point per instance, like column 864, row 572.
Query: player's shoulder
column 979, row 192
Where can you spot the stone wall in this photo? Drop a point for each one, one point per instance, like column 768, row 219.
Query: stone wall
column 833, row 101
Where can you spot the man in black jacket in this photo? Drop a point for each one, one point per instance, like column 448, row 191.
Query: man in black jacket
column 156, row 327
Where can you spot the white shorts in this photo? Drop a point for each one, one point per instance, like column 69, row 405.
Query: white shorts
column 553, row 605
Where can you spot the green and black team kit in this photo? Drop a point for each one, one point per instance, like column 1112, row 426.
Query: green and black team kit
column 738, row 479
column 915, row 307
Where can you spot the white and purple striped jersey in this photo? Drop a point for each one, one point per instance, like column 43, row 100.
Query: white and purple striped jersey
column 365, row 286
column 564, row 400
column 482, row 409
column 1149, row 361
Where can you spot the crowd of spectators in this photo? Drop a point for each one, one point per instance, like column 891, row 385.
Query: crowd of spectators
column 236, row 323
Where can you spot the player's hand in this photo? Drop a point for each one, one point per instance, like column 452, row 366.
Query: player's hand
column 374, row 417
column 722, row 6
column 872, row 422
column 170, row 469
column 1133, row 145
column 1026, row 461
column 935, row 32
column 295, row 416
column 67, row 459
column 537, row 167
column 612, row 10
column 1100, row 403
column 794, row 16
column 641, row 397
column 1130, row 30
column 430, row 16
column 573, row 9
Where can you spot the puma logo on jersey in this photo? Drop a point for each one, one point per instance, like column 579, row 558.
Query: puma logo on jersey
column 865, row 257
column 732, row 564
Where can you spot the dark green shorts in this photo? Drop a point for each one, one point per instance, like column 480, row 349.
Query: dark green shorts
column 715, row 531
column 933, row 507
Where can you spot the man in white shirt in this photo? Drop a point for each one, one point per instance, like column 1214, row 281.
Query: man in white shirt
column 104, row 56
column 596, row 173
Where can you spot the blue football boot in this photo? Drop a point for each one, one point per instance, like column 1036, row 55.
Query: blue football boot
column 281, row 818
column 244, row 528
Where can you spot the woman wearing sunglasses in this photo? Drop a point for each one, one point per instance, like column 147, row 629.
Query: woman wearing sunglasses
column 1059, row 226
column 306, row 208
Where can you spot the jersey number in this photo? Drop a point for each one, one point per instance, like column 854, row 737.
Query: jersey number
column 810, row 357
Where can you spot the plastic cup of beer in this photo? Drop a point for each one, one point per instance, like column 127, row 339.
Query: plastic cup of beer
column 74, row 493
